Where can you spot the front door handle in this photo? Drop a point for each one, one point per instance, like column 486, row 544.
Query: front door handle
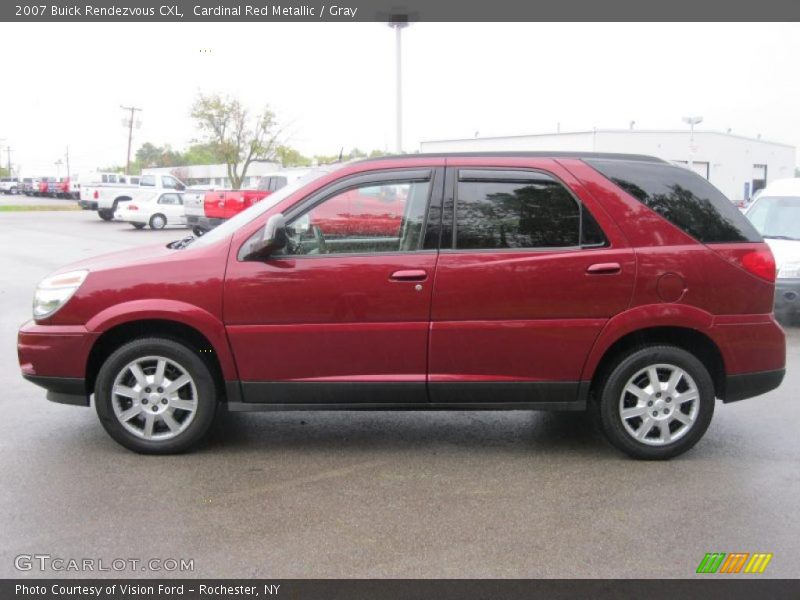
column 604, row 268
column 410, row 275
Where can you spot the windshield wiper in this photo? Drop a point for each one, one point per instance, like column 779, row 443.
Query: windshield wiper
column 780, row 237
column 178, row 244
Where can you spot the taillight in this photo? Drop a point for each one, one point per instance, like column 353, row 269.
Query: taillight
column 760, row 263
column 133, row 207
column 96, row 195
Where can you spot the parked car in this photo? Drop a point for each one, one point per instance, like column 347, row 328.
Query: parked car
column 30, row 185
column 89, row 184
column 530, row 281
column 156, row 210
column 69, row 188
column 104, row 197
column 220, row 205
column 44, row 186
column 776, row 216
column 53, row 187
column 10, row 185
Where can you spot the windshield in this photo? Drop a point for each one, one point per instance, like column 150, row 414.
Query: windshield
column 259, row 208
column 776, row 217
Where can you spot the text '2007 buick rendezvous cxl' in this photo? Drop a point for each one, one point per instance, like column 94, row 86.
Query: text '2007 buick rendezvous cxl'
column 495, row 281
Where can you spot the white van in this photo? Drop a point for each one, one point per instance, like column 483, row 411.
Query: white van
column 776, row 216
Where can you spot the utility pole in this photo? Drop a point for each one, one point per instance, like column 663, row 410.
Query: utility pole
column 692, row 121
column 67, row 157
column 133, row 110
column 8, row 150
column 398, row 23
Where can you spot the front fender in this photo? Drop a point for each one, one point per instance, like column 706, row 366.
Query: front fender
column 170, row 310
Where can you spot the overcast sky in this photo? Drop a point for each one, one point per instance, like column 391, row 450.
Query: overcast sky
column 332, row 85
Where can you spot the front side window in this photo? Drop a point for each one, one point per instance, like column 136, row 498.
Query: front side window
column 526, row 210
column 381, row 217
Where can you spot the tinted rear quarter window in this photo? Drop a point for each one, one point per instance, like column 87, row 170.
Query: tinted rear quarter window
column 682, row 197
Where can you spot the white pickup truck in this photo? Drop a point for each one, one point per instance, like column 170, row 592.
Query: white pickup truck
column 104, row 197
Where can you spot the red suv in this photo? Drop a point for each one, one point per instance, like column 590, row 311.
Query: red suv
column 495, row 281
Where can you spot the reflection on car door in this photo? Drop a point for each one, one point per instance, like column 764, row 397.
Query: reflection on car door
column 341, row 315
column 528, row 274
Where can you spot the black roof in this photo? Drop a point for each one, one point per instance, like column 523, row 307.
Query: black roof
column 560, row 154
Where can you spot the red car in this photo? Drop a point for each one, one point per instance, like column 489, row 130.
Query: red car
column 495, row 281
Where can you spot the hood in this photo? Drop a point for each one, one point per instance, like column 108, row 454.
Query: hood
column 121, row 258
column 784, row 251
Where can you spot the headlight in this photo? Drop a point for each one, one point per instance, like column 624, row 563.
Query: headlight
column 53, row 292
column 790, row 270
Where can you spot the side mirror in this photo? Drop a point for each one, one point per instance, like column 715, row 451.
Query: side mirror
column 180, row 187
column 273, row 238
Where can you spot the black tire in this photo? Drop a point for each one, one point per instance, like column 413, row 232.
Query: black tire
column 194, row 366
column 158, row 221
column 138, row 225
column 610, row 397
column 13, row 191
column 106, row 215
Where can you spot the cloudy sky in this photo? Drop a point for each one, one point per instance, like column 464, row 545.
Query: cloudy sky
column 332, row 85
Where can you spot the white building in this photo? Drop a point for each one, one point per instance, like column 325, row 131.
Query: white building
column 215, row 175
column 737, row 165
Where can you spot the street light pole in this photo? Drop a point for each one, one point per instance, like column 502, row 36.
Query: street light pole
column 692, row 121
column 398, row 23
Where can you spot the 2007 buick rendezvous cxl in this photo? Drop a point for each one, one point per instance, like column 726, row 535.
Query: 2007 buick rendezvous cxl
column 488, row 281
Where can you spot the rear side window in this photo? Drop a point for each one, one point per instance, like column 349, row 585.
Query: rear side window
column 504, row 209
column 683, row 198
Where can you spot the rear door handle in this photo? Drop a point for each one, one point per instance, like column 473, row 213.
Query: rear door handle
column 604, row 268
column 410, row 275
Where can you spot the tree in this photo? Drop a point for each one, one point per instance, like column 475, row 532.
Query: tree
column 240, row 136
column 289, row 157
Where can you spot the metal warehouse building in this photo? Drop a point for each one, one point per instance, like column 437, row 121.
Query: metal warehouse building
column 737, row 165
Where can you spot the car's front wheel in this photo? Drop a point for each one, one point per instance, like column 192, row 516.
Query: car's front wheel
column 155, row 396
column 656, row 402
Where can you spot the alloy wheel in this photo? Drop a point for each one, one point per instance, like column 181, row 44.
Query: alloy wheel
column 659, row 404
column 154, row 398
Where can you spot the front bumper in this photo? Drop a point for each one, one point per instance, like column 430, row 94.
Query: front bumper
column 55, row 358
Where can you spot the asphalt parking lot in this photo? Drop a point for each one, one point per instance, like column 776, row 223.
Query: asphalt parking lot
column 376, row 494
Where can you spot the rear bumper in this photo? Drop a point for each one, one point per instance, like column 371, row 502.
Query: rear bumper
column 203, row 222
column 747, row 385
column 88, row 204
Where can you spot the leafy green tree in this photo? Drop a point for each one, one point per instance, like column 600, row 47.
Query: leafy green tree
column 241, row 136
column 289, row 157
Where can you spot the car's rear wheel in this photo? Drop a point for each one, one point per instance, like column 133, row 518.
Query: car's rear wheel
column 158, row 221
column 138, row 225
column 155, row 396
column 106, row 215
column 656, row 402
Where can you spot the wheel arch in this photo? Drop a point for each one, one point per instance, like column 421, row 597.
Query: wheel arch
column 692, row 340
column 190, row 325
